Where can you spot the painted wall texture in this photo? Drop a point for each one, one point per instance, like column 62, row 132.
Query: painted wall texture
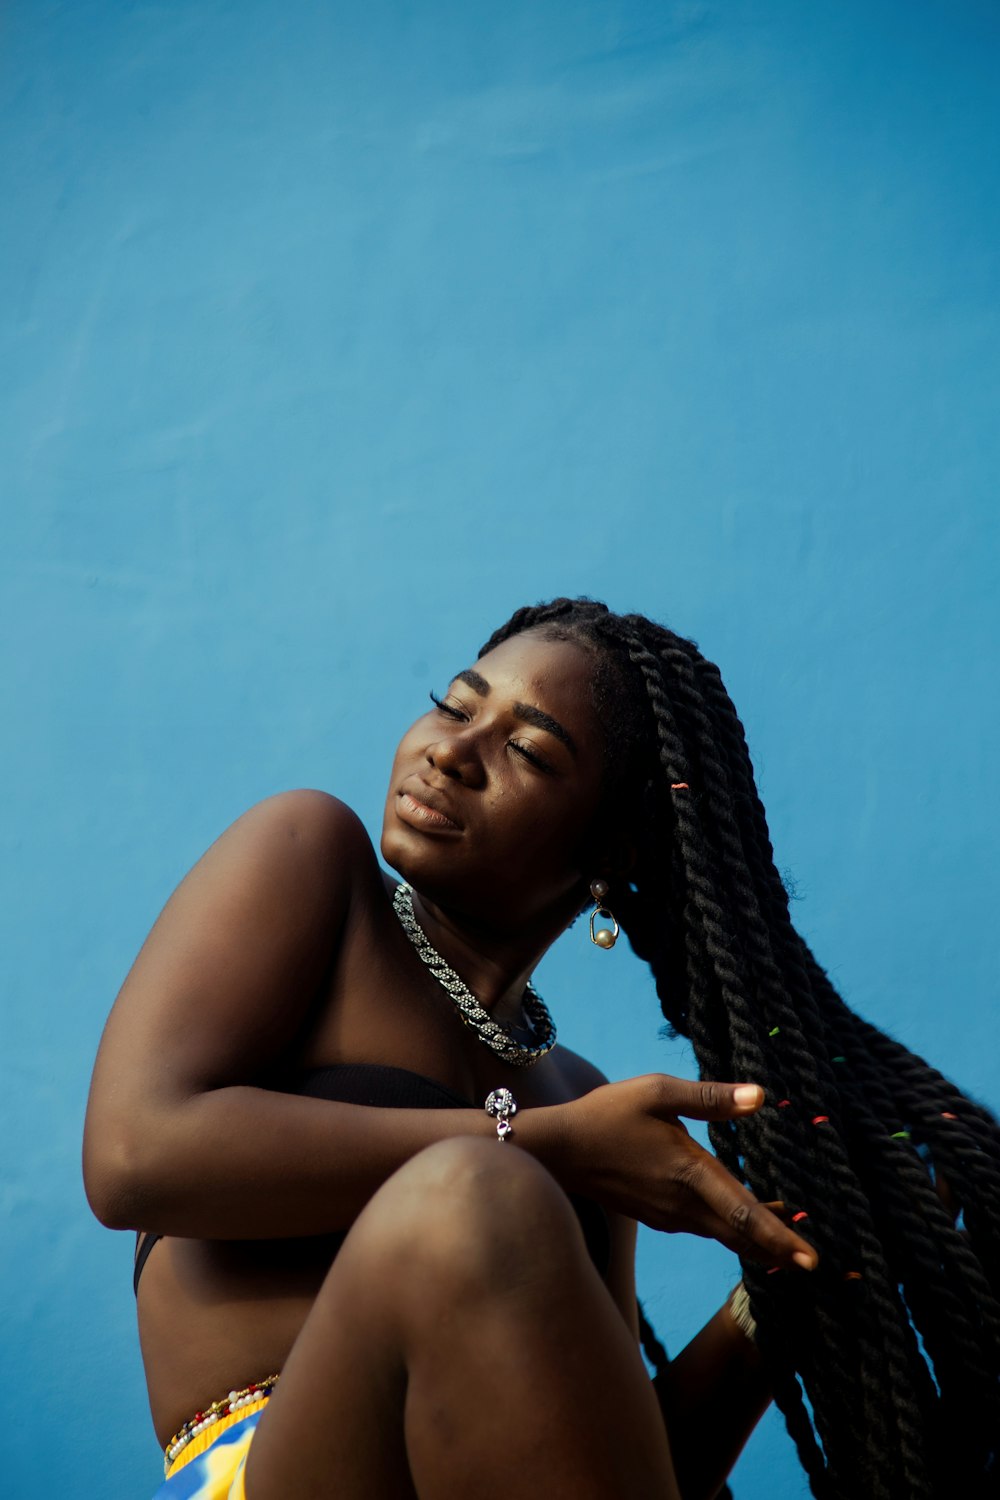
column 331, row 333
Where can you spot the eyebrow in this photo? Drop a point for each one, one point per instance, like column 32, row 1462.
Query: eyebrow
column 475, row 680
column 524, row 711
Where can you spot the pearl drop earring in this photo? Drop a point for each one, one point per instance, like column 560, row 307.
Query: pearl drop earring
column 602, row 937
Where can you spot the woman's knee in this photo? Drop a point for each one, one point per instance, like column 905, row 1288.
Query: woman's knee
column 470, row 1213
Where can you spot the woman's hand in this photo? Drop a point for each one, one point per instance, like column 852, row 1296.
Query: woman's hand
column 626, row 1146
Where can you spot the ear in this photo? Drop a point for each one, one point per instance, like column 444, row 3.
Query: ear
column 605, row 853
column 614, row 862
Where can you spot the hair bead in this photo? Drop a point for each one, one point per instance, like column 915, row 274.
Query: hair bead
column 821, row 1119
column 774, row 1031
column 797, row 1218
column 679, row 786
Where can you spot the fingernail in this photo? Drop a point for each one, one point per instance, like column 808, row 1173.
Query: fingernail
column 805, row 1260
column 747, row 1093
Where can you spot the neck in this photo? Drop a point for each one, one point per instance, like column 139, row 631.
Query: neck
column 495, row 966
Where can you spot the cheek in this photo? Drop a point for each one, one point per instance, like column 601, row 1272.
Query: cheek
column 396, row 774
column 407, row 748
column 537, row 833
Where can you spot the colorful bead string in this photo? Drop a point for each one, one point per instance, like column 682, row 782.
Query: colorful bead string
column 234, row 1402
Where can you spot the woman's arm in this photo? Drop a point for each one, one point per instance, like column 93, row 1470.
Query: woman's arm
column 712, row 1396
column 177, row 1141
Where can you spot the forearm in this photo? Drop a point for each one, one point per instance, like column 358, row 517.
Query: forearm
column 712, row 1396
column 248, row 1163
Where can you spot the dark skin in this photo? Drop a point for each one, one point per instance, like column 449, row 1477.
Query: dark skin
column 280, row 951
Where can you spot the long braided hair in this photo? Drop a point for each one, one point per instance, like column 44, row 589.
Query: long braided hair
column 886, row 1360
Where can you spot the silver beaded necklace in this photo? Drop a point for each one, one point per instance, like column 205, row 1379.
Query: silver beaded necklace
column 491, row 1033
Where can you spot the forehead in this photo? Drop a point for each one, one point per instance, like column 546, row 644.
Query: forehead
column 546, row 666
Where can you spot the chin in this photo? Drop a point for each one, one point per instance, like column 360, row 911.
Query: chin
column 392, row 847
column 415, row 858
column 429, row 868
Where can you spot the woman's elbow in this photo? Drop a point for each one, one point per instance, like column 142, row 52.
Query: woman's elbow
column 117, row 1178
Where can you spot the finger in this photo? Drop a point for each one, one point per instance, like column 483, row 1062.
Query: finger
column 735, row 1218
column 705, row 1099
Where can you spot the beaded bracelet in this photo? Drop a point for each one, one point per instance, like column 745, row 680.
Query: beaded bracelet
column 739, row 1311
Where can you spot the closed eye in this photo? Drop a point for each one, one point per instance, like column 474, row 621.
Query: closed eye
column 447, row 709
column 526, row 752
column 531, row 755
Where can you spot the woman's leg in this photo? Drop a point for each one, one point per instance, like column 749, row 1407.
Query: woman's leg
column 463, row 1344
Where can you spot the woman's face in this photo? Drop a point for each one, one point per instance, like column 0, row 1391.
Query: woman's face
column 495, row 790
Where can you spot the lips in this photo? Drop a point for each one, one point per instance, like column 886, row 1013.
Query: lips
column 423, row 806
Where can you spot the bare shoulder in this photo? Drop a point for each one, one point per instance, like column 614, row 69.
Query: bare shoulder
column 230, row 973
column 579, row 1075
column 306, row 817
column 239, row 952
column 299, row 837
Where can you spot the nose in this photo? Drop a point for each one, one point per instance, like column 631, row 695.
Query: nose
column 457, row 756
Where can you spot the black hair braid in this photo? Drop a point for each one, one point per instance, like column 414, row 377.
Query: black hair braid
column 930, row 1136
column 830, row 1328
column 960, row 1135
column 532, row 616
column 778, row 1175
column 704, row 904
column 958, row 1314
column 772, row 990
column 782, row 1176
column 701, row 863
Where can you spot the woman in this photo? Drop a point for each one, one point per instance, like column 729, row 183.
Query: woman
column 288, row 1105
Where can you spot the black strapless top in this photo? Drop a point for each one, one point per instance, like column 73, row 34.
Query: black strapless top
column 398, row 1088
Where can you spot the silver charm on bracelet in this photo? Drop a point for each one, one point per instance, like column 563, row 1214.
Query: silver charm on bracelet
column 500, row 1105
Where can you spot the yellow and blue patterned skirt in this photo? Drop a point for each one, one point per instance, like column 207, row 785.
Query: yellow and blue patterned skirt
column 211, row 1466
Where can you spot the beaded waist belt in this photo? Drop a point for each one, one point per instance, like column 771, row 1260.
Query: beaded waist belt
column 229, row 1406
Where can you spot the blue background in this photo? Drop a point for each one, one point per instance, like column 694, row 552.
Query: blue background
column 331, row 333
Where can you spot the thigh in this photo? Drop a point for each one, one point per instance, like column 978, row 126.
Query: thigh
column 334, row 1425
column 463, row 1330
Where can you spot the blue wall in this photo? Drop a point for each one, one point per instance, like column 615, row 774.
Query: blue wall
column 333, row 332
